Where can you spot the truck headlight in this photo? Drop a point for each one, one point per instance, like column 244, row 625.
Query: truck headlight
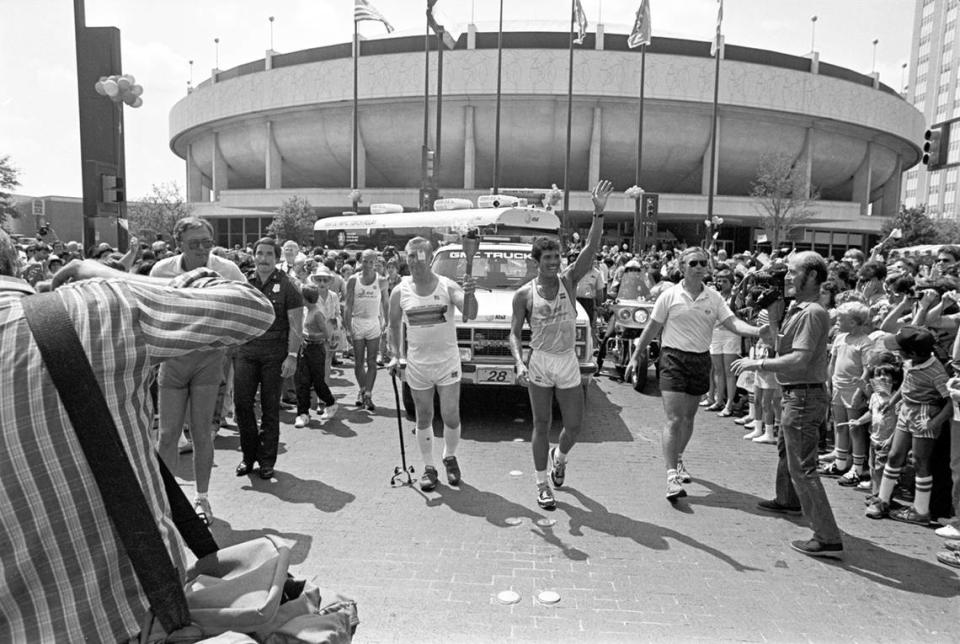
column 466, row 354
column 640, row 316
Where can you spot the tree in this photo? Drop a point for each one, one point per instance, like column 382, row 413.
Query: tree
column 294, row 220
column 9, row 179
column 157, row 213
column 782, row 197
column 915, row 228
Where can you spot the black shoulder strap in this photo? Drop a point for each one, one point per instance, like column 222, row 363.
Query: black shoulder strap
column 97, row 433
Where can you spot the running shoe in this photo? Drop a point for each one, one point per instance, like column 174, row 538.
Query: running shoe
column 545, row 498
column 832, row 471
column 360, row 399
column 558, row 470
column 682, row 472
column 675, row 488
column 202, row 507
column 329, row 412
column 368, row 402
column 910, row 515
column 776, row 507
column 949, row 558
column 301, row 421
column 453, row 470
column 429, row 479
column 852, row 478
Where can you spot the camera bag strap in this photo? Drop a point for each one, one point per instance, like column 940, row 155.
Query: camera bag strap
column 96, row 431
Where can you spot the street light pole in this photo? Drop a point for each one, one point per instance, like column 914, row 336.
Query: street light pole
column 813, row 33
column 271, row 32
column 873, row 67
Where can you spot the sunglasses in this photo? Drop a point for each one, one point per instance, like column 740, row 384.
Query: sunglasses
column 697, row 262
column 941, row 260
column 200, row 243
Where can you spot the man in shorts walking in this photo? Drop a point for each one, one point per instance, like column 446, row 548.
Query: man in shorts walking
column 548, row 304
column 687, row 313
column 427, row 304
column 365, row 308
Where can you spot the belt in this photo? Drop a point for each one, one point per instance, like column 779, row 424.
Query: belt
column 805, row 385
column 307, row 341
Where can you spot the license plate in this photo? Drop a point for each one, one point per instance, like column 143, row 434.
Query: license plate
column 495, row 376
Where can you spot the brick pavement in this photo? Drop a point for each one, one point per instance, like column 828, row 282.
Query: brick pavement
column 627, row 565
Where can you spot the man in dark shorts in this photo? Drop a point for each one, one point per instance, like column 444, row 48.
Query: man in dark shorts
column 686, row 313
column 801, row 369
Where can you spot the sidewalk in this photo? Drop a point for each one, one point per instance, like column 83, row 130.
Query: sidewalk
column 627, row 565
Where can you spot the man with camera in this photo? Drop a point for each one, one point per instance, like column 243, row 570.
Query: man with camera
column 801, row 369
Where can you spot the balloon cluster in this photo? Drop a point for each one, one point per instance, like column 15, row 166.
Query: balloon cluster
column 120, row 88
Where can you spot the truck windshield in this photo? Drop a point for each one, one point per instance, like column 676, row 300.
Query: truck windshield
column 632, row 286
column 491, row 268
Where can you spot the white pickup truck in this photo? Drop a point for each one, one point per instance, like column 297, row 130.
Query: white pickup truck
column 499, row 268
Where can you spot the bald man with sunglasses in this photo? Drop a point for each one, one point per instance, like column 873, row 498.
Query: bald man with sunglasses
column 687, row 314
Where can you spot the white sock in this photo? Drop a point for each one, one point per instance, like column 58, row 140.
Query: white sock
column 671, row 474
column 425, row 441
column 451, row 439
column 541, row 477
column 201, row 495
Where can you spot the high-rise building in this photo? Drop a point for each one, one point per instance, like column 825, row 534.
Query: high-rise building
column 934, row 89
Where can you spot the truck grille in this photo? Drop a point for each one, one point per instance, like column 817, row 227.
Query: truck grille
column 489, row 342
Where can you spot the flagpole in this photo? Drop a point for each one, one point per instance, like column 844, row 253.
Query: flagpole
column 566, row 161
column 424, row 179
column 436, row 142
column 356, row 56
column 496, row 136
column 639, row 228
column 713, row 136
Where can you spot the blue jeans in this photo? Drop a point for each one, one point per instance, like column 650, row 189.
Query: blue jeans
column 797, row 480
column 258, row 367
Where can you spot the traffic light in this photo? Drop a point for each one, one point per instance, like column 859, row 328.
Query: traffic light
column 651, row 206
column 934, row 148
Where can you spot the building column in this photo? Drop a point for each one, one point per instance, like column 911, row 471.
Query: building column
column 890, row 199
column 469, row 149
column 593, row 169
column 805, row 161
column 861, row 181
column 194, row 177
column 219, row 168
column 273, row 162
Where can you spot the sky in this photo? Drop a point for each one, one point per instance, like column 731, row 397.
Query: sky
column 38, row 104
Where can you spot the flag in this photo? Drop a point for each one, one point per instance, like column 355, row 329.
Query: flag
column 449, row 39
column 581, row 19
column 363, row 10
column 641, row 27
column 716, row 41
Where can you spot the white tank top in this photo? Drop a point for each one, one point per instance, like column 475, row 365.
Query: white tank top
column 553, row 323
column 430, row 321
column 366, row 299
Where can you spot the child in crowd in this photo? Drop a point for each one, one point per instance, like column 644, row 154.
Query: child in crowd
column 846, row 369
column 923, row 412
column 311, row 364
column 883, row 378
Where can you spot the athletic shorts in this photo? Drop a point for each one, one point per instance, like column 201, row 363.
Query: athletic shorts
column 560, row 370
column 439, row 374
column 366, row 328
column 914, row 418
column 684, row 371
column 198, row 368
column 725, row 342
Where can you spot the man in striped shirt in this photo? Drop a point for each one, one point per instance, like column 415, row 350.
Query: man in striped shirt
column 64, row 575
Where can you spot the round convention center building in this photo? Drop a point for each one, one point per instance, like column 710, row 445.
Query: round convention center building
column 260, row 133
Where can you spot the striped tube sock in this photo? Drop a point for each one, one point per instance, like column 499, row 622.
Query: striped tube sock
column 843, row 456
column 921, row 497
column 858, row 461
column 887, row 483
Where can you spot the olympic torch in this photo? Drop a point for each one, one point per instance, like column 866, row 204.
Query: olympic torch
column 471, row 242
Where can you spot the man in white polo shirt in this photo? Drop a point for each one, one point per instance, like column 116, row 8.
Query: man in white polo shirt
column 686, row 313
column 192, row 381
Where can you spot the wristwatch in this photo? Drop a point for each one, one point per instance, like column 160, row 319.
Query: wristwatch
column 292, row 354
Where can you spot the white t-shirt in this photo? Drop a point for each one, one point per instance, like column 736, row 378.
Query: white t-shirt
column 173, row 266
column 688, row 323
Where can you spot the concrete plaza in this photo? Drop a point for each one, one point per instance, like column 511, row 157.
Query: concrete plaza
column 627, row 565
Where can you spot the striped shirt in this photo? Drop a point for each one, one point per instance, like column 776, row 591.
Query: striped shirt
column 64, row 575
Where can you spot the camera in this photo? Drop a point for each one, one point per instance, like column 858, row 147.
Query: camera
column 766, row 287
